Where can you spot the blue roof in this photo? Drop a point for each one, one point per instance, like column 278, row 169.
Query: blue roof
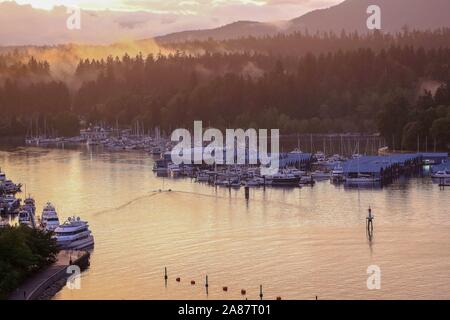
column 374, row 164
column 434, row 155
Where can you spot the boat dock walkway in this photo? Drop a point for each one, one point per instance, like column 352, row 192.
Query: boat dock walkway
column 32, row 288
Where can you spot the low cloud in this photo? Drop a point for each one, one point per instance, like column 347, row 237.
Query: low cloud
column 25, row 25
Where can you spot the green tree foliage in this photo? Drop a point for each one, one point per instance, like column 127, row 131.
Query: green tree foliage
column 299, row 83
column 23, row 251
column 440, row 130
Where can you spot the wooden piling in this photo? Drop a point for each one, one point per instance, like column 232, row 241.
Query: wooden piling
column 369, row 220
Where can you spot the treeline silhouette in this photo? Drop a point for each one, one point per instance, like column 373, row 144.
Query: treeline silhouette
column 356, row 89
column 301, row 43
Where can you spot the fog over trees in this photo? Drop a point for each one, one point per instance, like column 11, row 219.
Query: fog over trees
column 396, row 85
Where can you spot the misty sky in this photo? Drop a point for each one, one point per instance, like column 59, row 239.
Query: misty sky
column 43, row 22
column 225, row 9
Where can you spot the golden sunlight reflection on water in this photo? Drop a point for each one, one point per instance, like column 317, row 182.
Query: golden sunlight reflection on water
column 297, row 243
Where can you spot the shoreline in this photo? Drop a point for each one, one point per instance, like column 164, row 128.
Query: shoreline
column 49, row 281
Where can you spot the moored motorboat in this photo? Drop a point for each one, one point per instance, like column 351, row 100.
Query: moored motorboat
column 362, row 179
column 441, row 174
column 283, row 179
column 74, row 234
column 49, row 218
column 202, row 177
column 337, row 174
column 29, row 204
column 9, row 204
column 25, row 218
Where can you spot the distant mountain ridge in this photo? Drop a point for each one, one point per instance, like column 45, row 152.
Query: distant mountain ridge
column 24, row 25
column 350, row 15
column 229, row 31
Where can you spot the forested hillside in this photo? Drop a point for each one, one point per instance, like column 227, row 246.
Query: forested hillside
column 398, row 87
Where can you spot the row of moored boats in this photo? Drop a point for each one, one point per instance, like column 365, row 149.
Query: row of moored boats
column 73, row 234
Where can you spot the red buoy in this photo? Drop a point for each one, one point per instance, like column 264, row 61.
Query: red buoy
column 243, row 292
column 178, row 279
column 192, row 282
column 225, row 288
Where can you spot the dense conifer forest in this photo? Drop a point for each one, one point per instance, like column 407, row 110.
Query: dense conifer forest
column 397, row 85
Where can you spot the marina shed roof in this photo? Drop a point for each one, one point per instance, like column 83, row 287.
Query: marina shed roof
column 374, row 164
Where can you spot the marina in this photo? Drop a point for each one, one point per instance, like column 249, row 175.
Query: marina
column 294, row 241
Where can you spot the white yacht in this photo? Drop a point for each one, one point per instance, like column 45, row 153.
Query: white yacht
column 25, row 218
column 337, row 174
column 49, row 218
column 362, row 179
column 29, row 204
column 320, row 156
column 74, row 234
column 202, row 177
column 10, row 203
column 441, row 174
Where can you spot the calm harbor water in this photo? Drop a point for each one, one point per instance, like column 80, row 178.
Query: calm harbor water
column 297, row 243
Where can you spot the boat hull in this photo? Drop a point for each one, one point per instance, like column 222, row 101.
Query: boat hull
column 77, row 244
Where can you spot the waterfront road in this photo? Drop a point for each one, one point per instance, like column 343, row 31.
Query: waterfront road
column 43, row 279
